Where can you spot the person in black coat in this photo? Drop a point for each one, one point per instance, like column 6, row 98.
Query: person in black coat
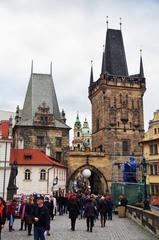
column 2, row 214
column 41, row 219
column 89, row 213
column 49, row 206
column 28, row 214
column 73, row 209
column 103, row 208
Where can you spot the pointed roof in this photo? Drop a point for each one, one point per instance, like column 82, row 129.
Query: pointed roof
column 40, row 90
column 103, row 70
column 115, row 58
column 77, row 122
column 141, row 66
column 91, row 75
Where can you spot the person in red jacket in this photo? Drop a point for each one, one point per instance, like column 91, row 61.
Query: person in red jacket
column 11, row 211
column 2, row 214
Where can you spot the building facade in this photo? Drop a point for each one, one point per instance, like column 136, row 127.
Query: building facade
column 150, row 144
column 40, row 124
column 5, row 148
column 82, row 135
column 117, row 101
column 37, row 172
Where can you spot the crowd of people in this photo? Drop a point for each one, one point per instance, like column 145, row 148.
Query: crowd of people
column 39, row 210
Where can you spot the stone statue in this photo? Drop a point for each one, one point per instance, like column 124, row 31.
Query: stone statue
column 12, row 188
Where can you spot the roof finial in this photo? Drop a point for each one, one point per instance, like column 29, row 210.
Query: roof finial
column 103, row 69
column 107, row 22
column 120, row 23
column 31, row 66
column 103, row 48
column 91, row 75
column 51, row 68
column 141, row 65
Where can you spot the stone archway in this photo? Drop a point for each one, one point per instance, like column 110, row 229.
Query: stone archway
column 97, row 181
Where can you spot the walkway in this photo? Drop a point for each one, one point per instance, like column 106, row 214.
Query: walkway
column 118, row 229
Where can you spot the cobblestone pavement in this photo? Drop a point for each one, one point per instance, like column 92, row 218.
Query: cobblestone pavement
column 118, row 229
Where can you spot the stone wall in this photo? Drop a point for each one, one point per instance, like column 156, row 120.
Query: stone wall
column 147, row 219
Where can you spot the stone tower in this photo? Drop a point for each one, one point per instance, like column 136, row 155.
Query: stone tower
column 40, row 124
column 77, row 138
column 117, row 101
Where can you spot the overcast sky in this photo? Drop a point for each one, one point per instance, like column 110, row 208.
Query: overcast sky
column 71, row 34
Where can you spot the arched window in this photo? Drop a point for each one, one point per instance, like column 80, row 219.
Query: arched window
column 43, row 174
column 97, row 124
column 27, row 174
column 78, row 134
column 155, row 130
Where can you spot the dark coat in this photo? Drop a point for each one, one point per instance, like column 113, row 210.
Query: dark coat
column 110, row 204
column 89, row 209
column 42, row 213
column 103, row 206
column 73, row 209
column 28, row 213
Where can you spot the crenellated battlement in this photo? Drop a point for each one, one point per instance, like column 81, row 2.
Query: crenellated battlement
column 135, row 82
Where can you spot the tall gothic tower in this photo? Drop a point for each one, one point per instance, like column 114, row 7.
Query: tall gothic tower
column 117, row 101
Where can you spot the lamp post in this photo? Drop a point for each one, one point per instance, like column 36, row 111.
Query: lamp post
column 144, row 176
column 55, row 182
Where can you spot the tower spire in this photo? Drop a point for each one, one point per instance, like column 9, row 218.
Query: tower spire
column 141, row 65
column 51, row 68
column 120, row 23
column 91, row 75
column 31, row 66
column 107, row 22
column 103, row 70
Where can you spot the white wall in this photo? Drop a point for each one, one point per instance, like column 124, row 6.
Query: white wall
column 2, row 163
column 37, row 185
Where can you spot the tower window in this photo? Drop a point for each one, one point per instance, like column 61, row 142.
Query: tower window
column 155, row 131
column 40, row 141
column 58, row 141
column 78, row 134
column 58, row 156
column 125, row 148
column 97, row 124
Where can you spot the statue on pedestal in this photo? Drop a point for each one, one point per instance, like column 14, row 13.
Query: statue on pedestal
column 12, row 188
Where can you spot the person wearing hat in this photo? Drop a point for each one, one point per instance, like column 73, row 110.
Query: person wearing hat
column 41, row 219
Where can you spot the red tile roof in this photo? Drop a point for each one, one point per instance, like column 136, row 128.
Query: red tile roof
column 4, row 129
column 32, row 157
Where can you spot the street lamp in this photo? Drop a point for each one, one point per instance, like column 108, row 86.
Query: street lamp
column 86, row 173
column 55, row 182
column 144, row 176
